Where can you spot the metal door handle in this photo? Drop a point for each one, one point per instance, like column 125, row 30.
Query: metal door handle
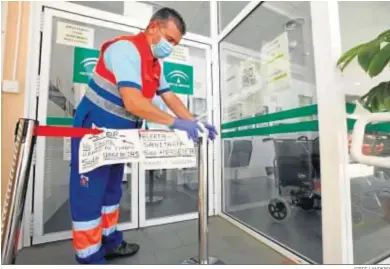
column 358, row 136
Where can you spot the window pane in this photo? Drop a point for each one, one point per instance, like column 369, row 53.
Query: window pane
column 116, row 7
column 362, row 22
column 227, row 11
column 196, row 14
column 272, row 180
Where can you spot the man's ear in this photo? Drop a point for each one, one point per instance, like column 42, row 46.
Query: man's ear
column 152, row 27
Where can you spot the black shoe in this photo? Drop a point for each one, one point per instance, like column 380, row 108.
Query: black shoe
column 123, row 250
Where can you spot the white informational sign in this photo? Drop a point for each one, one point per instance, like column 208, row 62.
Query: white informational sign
column 109, row 147
column 276, row 63
column 179, row 54
column 75, row 35
column 250, row 74
column 167, row 150
column 155, row 149
column 66, row 148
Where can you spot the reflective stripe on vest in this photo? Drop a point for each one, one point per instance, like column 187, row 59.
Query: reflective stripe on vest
column 109, row 106
column 105, row 84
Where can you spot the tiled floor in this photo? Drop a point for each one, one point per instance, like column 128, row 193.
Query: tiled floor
column 169, row 244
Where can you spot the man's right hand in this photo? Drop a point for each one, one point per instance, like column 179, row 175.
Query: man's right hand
column 190, row 126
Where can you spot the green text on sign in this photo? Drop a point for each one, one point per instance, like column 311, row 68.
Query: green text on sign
column 84, row 62
column 180, row 77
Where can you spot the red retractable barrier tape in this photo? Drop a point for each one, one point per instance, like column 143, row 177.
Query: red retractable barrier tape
column 57, row 131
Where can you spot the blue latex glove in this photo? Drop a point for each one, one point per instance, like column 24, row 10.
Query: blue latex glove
column 211, row 129
column 191, row 127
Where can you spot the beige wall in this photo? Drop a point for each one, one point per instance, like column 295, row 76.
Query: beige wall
column 12, row 105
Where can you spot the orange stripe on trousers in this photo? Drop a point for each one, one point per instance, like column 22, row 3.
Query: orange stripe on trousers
column 110, row 219
column 85, row 239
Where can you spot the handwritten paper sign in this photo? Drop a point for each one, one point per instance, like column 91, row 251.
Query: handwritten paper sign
column 109, row 147
column 167, row 150
column 155, row 149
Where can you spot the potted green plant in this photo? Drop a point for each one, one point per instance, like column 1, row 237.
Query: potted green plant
column 373, row 57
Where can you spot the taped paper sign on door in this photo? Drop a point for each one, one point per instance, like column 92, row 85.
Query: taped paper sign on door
column 167, row 150
column 155, row 149
column 109, row 147
column 75, row 35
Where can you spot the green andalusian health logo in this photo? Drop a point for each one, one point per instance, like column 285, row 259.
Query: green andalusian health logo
column 88, row 65
column 84, row 62
column 180, row 77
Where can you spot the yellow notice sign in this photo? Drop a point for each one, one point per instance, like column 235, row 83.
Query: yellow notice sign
column 75, row 35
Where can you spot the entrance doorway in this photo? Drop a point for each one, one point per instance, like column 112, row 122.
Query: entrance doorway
column 68, row 53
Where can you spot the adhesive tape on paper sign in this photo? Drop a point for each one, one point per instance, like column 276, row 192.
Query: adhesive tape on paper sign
column 182, row 135
column 205, row 132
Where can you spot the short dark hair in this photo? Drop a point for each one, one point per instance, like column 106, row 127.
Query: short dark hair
column 167, row 13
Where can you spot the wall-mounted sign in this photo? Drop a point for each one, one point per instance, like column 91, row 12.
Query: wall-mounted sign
column 75, row 35
column 180, row 77
column 276, row 63
column 180, row 54
column 84, row 62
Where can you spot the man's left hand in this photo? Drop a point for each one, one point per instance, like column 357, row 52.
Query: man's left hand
column 211, row 130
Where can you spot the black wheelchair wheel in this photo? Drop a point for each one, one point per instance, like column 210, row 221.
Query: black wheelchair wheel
column 279, row 209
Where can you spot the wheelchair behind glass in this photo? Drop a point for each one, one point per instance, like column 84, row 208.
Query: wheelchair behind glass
column 297, row 177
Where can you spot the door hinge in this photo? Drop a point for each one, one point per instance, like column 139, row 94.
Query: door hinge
column 37, row 86
column 31, row 224
column 41, row 21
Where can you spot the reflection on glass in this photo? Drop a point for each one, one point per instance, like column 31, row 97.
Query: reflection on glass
column 170, row 192
column 175, row 192
column 227, row 11
column 370, row 194
column 272, row 180
column 370, row 186
column 63, row 97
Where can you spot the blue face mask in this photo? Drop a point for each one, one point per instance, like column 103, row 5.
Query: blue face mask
column 162, row 49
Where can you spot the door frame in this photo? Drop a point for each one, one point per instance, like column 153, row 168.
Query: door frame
column 210, row 170
column 38, row 235
column 33, row 84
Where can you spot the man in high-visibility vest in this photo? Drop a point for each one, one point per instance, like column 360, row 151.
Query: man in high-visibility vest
column 127, row 76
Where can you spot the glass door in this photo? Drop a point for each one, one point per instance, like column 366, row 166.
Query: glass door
column 369, row 175
column 270, row 139
column 171, row 195
column 369, row 181
column 69, row 51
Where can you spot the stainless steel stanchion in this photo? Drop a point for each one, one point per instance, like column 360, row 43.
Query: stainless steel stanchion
column 13, row 208
column 203, row 256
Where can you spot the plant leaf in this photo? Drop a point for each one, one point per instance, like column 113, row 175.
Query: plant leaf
column 367, row 53
column 349, row 54
column 385, row 36
column 378, row 97
column 386, row 104
column 380, row 60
